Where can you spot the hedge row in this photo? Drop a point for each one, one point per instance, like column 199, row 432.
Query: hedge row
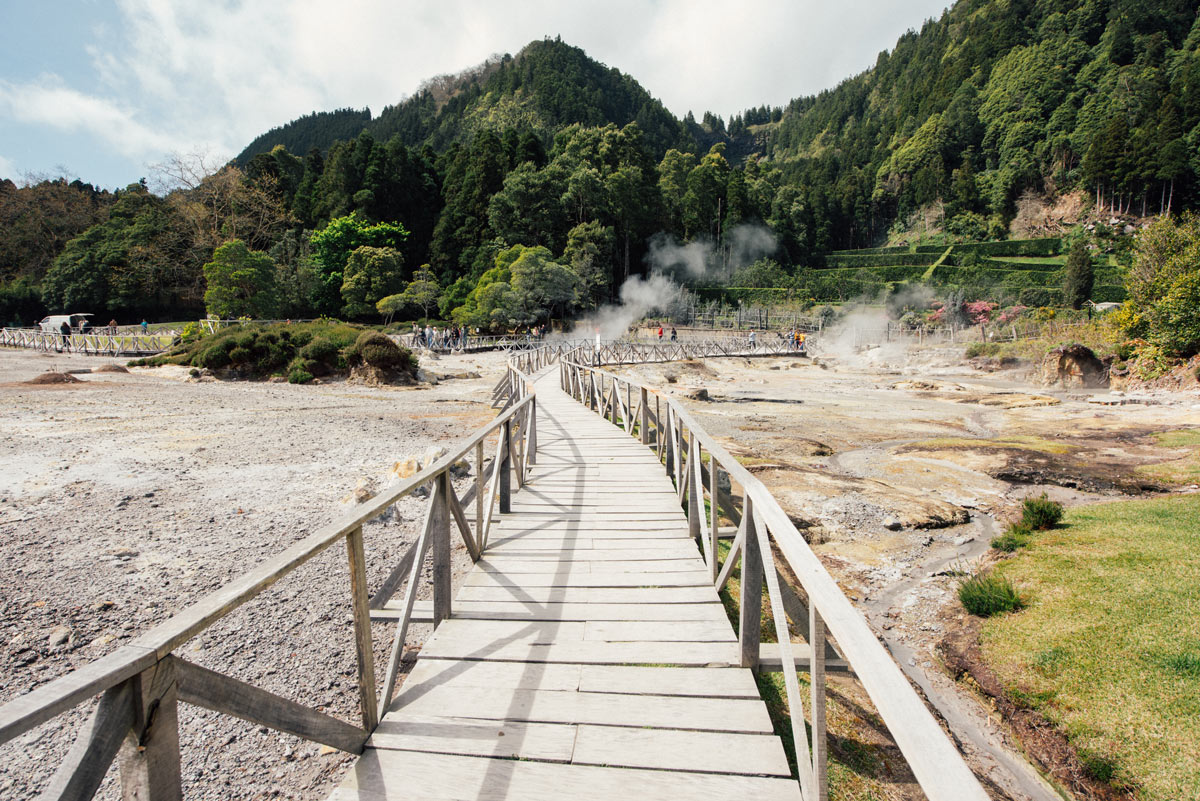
column 1050, row 246
column 880, row 260
column 869, row 251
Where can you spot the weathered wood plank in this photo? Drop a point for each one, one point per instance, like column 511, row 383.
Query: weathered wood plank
column 659, row 631
column 220, row 693
column 457, row 778
column 680, row 654
column 693, row 578
column 590, row 595
column 550, row 742
column 606, row 709
column 571, row 612
column 688, row 681
column 95, row 747
column 665, row 749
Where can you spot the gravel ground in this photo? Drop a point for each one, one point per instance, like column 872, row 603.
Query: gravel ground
column 127, row 496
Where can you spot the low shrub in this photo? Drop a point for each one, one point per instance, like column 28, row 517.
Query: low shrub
column 299, row 377
column 321, row 349
column 987, row 594
column 977, row 349
column 1041, row 513
column 378, row 350
column 1017, row 536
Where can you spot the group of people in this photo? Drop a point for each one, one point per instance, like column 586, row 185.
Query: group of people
column 452, row 337
column 674, row 334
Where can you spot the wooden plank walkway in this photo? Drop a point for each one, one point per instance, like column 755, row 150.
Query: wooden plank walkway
column 587, row 656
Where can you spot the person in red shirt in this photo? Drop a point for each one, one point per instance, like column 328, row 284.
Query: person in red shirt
column 660, row 333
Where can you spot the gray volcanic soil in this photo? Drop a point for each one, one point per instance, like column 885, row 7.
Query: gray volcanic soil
column 126, row 497
column 900, row 466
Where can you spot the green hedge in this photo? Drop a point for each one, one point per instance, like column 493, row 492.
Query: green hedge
column 1051, row 246
column 880, row 260
column 870, row 251
column 877, row 274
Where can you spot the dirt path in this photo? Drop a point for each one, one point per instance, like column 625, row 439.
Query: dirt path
column 898, row 467
column 127, row 496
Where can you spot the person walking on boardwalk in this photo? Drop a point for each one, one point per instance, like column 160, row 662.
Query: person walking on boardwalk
column 112, row 326
column 660, row 333
column 145, row 327
column 752, row 333
column 674, row 334
column 64, row 331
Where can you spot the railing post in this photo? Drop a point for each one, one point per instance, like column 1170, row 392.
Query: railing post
column 820, row 755
column 714, row 517
column 150, row 754
column 692, row 479
column 479, row 492
column 505, row 468
column 440, row 544
column 750, row 594
column 644, row 421
column 531, row 446
column 360, row 602
column 669, row 444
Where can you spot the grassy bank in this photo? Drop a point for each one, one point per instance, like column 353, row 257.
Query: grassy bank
column 1109, row 645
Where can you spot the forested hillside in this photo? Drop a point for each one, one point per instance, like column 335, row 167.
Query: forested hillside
column 997, row 105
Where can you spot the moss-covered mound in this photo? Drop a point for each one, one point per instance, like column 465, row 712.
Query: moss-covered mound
column 299, row 351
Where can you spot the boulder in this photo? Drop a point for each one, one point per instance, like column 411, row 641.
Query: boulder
column 406, row 468
column 700, row 394
column 1074, row 366
column 431, row 455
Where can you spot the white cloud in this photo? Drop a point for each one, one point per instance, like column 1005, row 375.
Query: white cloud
column 7, row 169
column 47, row 101
column 180, row 75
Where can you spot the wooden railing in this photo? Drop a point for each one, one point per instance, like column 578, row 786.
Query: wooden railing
column 94, row 343
column 769, row 548
column 142, row 682
column 634, row 352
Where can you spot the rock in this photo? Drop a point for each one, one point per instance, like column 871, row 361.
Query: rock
column 431, row 455
column 327, row 750
column 277, row 379
column 102, row 640
column 460, row 469
column 59, row 635
column 101, row 606
column 700, row 394
column 406, row 468
column 892, row 524
column 426, row 377
column 1074, row 366
column 963, row 540
column 365, row 490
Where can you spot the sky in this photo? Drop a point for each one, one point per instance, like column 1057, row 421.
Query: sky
column 102, row 90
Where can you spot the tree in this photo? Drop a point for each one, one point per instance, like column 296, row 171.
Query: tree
column 1078, row 275
column 542, row 285
column 371, row 274
column 241, row 283
column 332, row 246
column 589, row 253
column 423, row 290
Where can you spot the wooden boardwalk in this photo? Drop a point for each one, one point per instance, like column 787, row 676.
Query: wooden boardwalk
column 588, row 655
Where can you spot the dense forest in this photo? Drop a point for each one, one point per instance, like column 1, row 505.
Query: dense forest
column 550, row 167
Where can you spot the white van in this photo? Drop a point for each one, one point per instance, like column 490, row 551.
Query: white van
column 54, row 322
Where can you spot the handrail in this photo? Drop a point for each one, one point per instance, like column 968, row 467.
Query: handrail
column 145, row 674
column 94, row 343
column 682, row 444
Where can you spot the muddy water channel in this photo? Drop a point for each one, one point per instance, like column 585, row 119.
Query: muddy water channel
column 899, row 471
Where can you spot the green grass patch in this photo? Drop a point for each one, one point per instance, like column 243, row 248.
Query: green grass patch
column 1181, row 471
column 1109, row 645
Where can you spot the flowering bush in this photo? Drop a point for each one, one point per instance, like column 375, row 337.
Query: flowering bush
column 1012, row 313
column 979, row 311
